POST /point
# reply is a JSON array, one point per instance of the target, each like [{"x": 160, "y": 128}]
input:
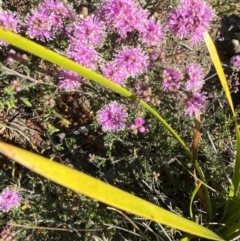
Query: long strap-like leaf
[
  {"x": 101, "y": 191},
  {"x": 236, "y": 176}
]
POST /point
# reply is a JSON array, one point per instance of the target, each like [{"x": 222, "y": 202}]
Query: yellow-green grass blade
[
  {"x": 195, "y": 191},
  {"x": 216, "y": 61},
  {"x": 96, "y": 189},
  {"x": 62, "y": 61},
  {"x": 218, "y": 66}
]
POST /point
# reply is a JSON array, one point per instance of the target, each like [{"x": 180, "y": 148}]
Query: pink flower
[
  {"x": 88, "y": 30},
  {"x": 137, "y": 126},
  {"x": 132, "y": 60},
  {"x": 122, "y": 16},
  {"x": 114, "y": 73},
  {"x": 9, "y": 199},
  {"x": 139, "y": 121},
  {"x": 8, "y": 21},
  {"x": 112, "y": 117},
  {"x": 235, "y": 61},
  {"x": 191, "y": 19},
  {"x": 39, "y": 26},
  {"x": 83, "y": 54},
  {"x": 151, "y": 33},
  {"x": 195, "y": 77},
  {"x": 7, "y": 234},
  {"x": 43, "y": 23},
  {"x": 57, "y": 11},
  {"x": 58, "y": 8},
  {"x": 195, "y": 103},
  {"x": 171, "y": 79},
  {"x": 69, "y": 80}
]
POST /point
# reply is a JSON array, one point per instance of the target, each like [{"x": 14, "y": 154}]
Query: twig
[
  {"x": 164, "y": 231},
  {"x": 113, "y": 226},
  {"x": 13, "y": 72},
  {"x": 214, "y": 147},
  {"x": 186, "y": 46},
  {"x": 154, "y": 10},
  {"x": 53, "y": 228}
]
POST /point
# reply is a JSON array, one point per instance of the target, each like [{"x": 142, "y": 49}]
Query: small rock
[{"x": 233, "y": 47}]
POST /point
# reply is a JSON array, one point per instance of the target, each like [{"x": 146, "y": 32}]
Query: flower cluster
[
  {"x": 16, "y": 85},
  {"x": 126, "y": 16},
  {"x": 171, "y": 79},
  {"x": 131, "y": 60},
  {"x": 195, "y": 100},
  {"x": 83, "y": 54},
  {"x": 112, "y": 117},
  {"x": 88, "y": 30},
  {"x": 194, "y": 77},
  {"x": 235, "y": 61},
  {"x": 128, "y": 62},
  {"x": 122, "y": 16},
  {"x": 143, "y": 91},
  {"x": 137, "y": 126},
  {"x": 9, "y": 199},
  {"x": 122, "y": 20},
  {"x": 190, "y": 19},
  {"x": 48, "y": 19},
  {"x": 68, "y": 80},
  {"x": 113, "y": 73},
  {"x": 194, "y": 103},
  {"x": 7, "y": 234},
  {"x": 152, "y": 33},
  {"x": 8, "y": 21}
]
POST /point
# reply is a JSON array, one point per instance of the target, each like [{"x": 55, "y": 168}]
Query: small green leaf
[
  {"x": 192, "y": 198},
  {"x": 26, "y": 101}
]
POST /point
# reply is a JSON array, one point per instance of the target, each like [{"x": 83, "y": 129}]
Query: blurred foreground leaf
[
  {"x": 91, "y": 187},
  {"x": 229, "y": 212}
]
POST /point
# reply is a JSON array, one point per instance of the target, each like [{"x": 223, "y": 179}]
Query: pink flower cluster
[
  {"x": 126, "y": 17},
  {"x": 194, "y": 103},
  {"x": 137, "y": 126},
  {"x": 47, "y": 19},
  {"x": 112, "y": 117},
  {"x": 195, "y": 100},
  {"x": 128, "y": 62},
  {"x": 83, "y": 54},
  {"x": 171, "y": 82},
  {"x": 69, "y": 81},
  {"x": 235, "y": 61},
  {"x": 194, "y": 77},
  {"x": 8, "y": 21},
  {"x": 122, "y": 20},
  {"x": 190, "y": 19},
  {"x": 9, "y": 199},
  {"x": 114, "y": 73},
  {"x": 171, "y": 79},
  {"x": 89, "y": 30}
]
